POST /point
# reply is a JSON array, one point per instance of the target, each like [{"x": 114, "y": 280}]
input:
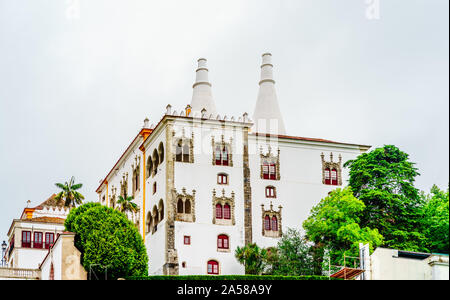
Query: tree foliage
[
  {"x": 253, "y": 258},
  {"x": 108, "y": 241},
  {"x": 334, "y": 226},
  {"x": 436, "y": 220},
  {"x": 383, "y": 180}
]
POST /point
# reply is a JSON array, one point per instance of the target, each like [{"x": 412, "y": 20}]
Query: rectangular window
[
  {"x": 222, "y": 179},
  {"x": 187, "y": 240},
  {"x": 49, "y": 239},
  {"x": 270, "y": 192},
  {"x": 26, "y": 239},
  {"x": 38, "y": 242}
]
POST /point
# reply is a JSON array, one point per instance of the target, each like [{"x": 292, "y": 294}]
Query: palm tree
[
  {"x": 69, "y": 193},
  {"x": 127, "y": 205},
  {"x": 252, "y": 257}
]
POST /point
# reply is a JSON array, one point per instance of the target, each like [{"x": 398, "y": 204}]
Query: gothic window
[
  {"x": 161, "y": 153},
  {"x": 271, "y": 219},
  {"x": 124, "y": 186},
  {"x": 185, "y": 206},
  {"x": 222, "y": 179},
  {"x": 136, "y": 178},
  {"x": 179, "y": 152},
  {"x": 155, "y": 216},
  {"x": 331, "y": 171},
  {"x": 154, "y": 188},
  {"x": 223, "y": 209},
  {"x": 270, "y": 166},
  {"x": 213, "y": 267},
  {"x": 161, "y": 210},
  {"x": 222, "y": 153},
  {"x": 149, "y": 166},
  {"x": 186, "y": 154},
  {"x": 184, "y": 149},
  {"x": 223, "y": 242},
  {"x": 149, "y": 222},
  {"x": 271, "y": 192}
]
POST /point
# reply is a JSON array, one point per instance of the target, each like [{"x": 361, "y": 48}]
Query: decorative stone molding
[
  {"x": 223, "y": 201},
  {"x": 271, "y": 213},
  {"x": 270, "y": 158},
  {"x": 184, "y": 141},
  {"x": 136, "y": 175},
  {"x": 248, "y": 230},
  {"x": 332, "y": 165},
  {"x": 222, "y": 144},
  {"x": 124, "y": 185},
  {"x": 113, "y": 197},
  {"x": 184, "y": 216}
]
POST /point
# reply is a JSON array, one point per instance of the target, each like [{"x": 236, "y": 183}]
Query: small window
[
  {"x": 327, "y": 176},
  {"x": 267, "y": 223},
  {"x": 183, "y": 264},
  {"x": 186, "y": 153},
  {"x": 26, "y": 239},
  {"x": 180, "y": 206},
  {"x": 274, "y": 223},
  {"x": 213, "y": 267},
  {"x": 270, "y": 192},
  {"x": 269, "y": 171},
  {"x": 227, "y": 212},
  {"x": 187, "y": 240},
  {"x": 222, "y": 179},
  {"x": 223, "y": 242},
  {"x": 38, "y": 242},
  {"x": 49, "y": 239},
  {"x": 334, "y": 177},
  {"x": 187, "y": 207},
  {"x": 219, "y": 214},
  {"x": 179, "y": 152},
  {"x": 154, "y": 188}
]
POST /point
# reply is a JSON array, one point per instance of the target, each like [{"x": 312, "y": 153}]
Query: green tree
[
  {"x": 127, "y": 205},
  {"x": 69, "y": 193},
  {"x": 253, "y": 258},
  {"x": 383, "y": 180},
  {"x": 291, "y": 257},
  {"x": 436, "y": 220},
  {"x": 108, "y": 241},
  {"x": 333, "y": 225}
]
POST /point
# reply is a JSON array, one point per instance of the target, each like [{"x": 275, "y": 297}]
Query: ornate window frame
[
  {"x": 332, "y": 165},
  {"x": 124, "y": 186},
  {"x": 223, "y": 201},
  {"x": 183, "y": 196},
  {"x": 270, "y": 158},
  {"x": 185, "y": 141},
  {"x": 272, "y": 213},
  {"x": 136, "y": 179},
  {"x": 222, "y": 144}
]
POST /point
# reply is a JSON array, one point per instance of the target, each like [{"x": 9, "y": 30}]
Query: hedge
[{"x": 229, "y": 277}]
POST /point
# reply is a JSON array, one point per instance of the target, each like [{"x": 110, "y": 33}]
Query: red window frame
[
  {"x": 49, "y": 239},
  {"x": 334, "y": 177},
  {"x": 222, "y": 179},
  {"x": 327, "y": 176},
  {"x": 187, "y": 240},
  {"x": 222, "y": 156},
  {"x": 266, "y": 223},
  {"x": 225, "y": 156},
  {"x": 269, "y": 171},
  {"x": 274, "y": 223},
  {"x": 219, "y": 214},
  {"x": 227, "y": 212},
  {"x": 38, "y": 240},
  {"x": 271, "y": 192},
  {"x": 213, "y": 267},
  {"x": 26, "y": 239},
  {"x": 223, "y": 242}
]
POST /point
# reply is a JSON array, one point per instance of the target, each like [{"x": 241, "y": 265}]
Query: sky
[{"x": 78, "y": 77}]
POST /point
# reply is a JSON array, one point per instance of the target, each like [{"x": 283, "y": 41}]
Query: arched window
[
  {"x": 227, "y": 212},
  {"x": 186, "y": 153},
  {"x": 274, "y": 223},
  {"x": 222, "y": 179},
  {"x": 180, "y": 206},
  {"x": 149, "y": 166},
  {"x": 187, "y": 207},
  {"x": 149, "y": 222},
  {"x": 267, "y": 223},
  {"x": 223, "y": 242},
  {"x": 271, "y": 192},
  {"x": 213, "y": 267},
  {"x": 179, "y": 152},
  {"x": 161, "y": 153},
  {"x": 334, "y": 177},
  {"x": 161, "y": 210},
  {"x": 156, "y": 162},
  {"x": 327, "y": 176},
  {"x": 219, "y": 214}
]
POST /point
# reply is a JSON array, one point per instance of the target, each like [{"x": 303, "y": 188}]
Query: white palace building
[{"x": 207, "y": 183}]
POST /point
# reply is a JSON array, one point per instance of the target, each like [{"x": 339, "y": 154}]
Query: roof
[
  {"x": 347, "y": 273},
  {"x": 299, "y": 138},
  {"x": 50, "y": 202},
  {"x": 47, "y": 220}
]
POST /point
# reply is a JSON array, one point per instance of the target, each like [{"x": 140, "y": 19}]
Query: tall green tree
[
  {"x": 436, "y": 220},
  {"x": 333, "y": 225},
  {"x": 383, "y": 180},
  {"x": 69, "y": 193},
  {"x": 126, "y": 205},
  {"x": 109, "y": 243},
  {"x": 291, "y": 257},
  {"x": 253, "y": 258}
]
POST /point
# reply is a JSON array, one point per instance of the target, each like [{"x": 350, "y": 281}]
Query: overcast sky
[{"x": 77, "y": 78}]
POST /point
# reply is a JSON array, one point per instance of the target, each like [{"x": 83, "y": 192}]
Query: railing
[{"x": 19, "y": 273}]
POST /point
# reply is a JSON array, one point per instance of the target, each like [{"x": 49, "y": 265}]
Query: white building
[
  {"x": 389, "y": 264},
  {"x": 33, "y": 233},
  {"x": 207, "y": 183}
]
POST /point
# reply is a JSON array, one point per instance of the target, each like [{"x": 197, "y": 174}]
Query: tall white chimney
[
  {"x": 202, "y": 94},
  {"x": 267, "y": 117}
]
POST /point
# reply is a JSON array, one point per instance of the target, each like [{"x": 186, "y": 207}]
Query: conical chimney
[
  {"x": 202, "y": 94},
  {"x": 267, "y": 117}
]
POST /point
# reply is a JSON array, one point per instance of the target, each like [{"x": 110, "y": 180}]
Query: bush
[
  {"x": 108, "y": 242},
  {"x": 230, "y": 277}
]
